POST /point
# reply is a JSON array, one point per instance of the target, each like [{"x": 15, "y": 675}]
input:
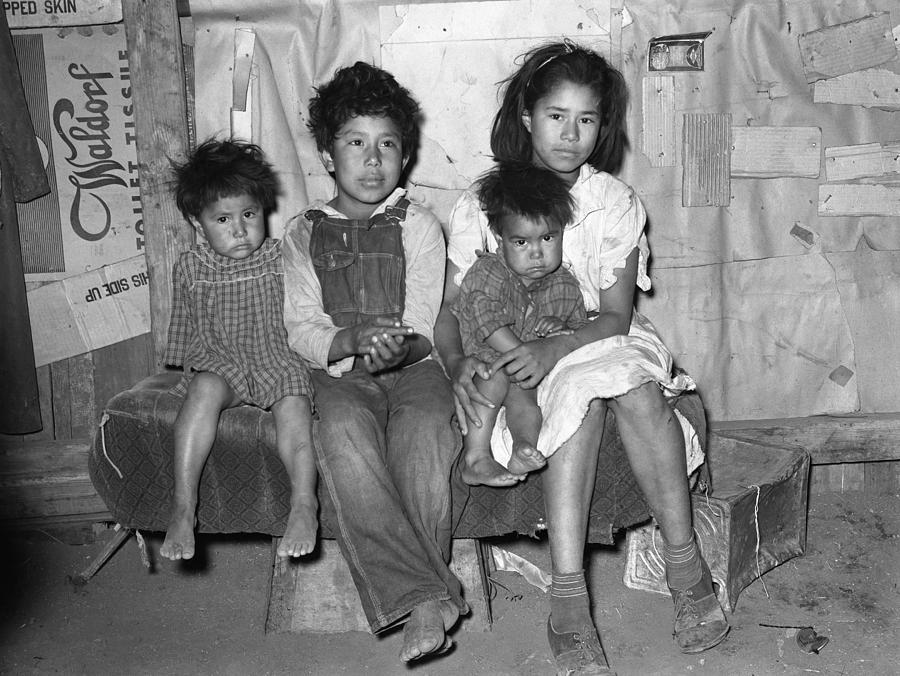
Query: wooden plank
[
  {"x": 859, "y": 199},
  {"x": 153, "y": 36},
  {"x": 706, "y": 157},
  {"x": 847, "y": 47},
  {"x": 828, "y": 439},
  {"x": 882, "y": 477},
  {"x": 119, "y": 366},
  {"x": 62, "y": 414},
  {"x": 770, "y": 152},
  {"x": 844, "y": 163},
  {"x": 317, "y": 594},
  {"x": 46, "y": 481},
  {"x": 873, "y": 88},
  {"x": 658, "y": 110},
  {"x": 83, "y": 414}
]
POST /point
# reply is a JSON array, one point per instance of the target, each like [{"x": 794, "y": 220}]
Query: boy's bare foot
[
  {"x": 425, "y": 632},
  {"x": 179, "y": 542},
  {"x": 479, "y": 469},
  {"x": 300, "y": 533},
  {"x": 525, "y": 458}
]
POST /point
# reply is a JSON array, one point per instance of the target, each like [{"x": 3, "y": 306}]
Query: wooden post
[{"x": 157, "y": 77}]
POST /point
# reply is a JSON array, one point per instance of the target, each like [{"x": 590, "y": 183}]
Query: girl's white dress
[{"x": 608, "y": 225}]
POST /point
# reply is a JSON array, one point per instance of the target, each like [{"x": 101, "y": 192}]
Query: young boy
[
  {"x": 364, "y": 278},
  {"x": 228, "y": 332},
  {"x": 520, "y": 293}
]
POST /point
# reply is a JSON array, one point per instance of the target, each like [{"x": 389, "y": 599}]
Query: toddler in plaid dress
[
  {"x": 521, "y": 293},
  {"x": 227, "y": 331}
]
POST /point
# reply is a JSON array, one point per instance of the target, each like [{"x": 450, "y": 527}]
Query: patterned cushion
[{"x": 244, "y": 487}]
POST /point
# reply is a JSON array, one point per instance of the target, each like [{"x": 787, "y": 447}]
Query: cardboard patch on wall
[
  {"x": 77, "y": 84},
  {"x": 89, "y": 311},
  {"x": 658, "y": 110},
  {"x": 847, "y": 47},
  {"x": 706, "y": 158},
  {"x": 845, "y": 163},
  {"x": 873, "y": 88},
  {"x": 57, "y": 13},
  {"x": 769, "y": 152},
  {"x": 859, "y": 199}
]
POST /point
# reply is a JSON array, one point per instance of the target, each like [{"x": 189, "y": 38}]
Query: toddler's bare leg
[
  {"x": 479, "y": 466},
  {"x": 524, "y": 420},
  {"x": 195, "y": 430},
  {"x": 293, "y": 436}
]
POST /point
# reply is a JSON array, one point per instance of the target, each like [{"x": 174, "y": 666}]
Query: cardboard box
[{"x": 753, "y": 519}]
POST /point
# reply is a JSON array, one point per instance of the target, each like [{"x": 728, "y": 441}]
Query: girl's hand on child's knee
[{"x": 465, "y": 391}]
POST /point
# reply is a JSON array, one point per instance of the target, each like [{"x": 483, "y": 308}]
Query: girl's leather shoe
[
  {"x": 578, "y": 652},
  {"x": 700, "y": 621}
]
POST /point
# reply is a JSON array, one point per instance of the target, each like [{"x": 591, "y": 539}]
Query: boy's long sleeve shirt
[{"x": 311, "y": 330}]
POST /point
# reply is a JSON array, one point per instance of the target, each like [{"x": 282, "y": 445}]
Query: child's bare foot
[
  {"x": 481, "y": 468},
  {"x": 425, "y": 633},
  {"x": 525, "y": 458},
  {"x": 300, "y": 534},
  {"x": 179, "y": 542}
]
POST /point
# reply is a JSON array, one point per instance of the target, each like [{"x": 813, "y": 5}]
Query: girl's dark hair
[
  {"x": 543, "y": 69},
  {"x": 217, "y": 169},
  {"x": 523, "y": 189},
  {"x": 363, "y": 90}
]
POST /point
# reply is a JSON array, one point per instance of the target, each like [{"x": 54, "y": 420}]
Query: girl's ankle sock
[
  {"x": 570, "y": 607},
  {"x": 683, "y": 564}
]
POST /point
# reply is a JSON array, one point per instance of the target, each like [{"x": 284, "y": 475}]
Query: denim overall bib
[
  {"x": 385, "y": 442},
  {"x": 360, "y": 264}
]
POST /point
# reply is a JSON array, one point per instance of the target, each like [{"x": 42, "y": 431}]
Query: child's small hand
[{"x": 548, "y": 325}]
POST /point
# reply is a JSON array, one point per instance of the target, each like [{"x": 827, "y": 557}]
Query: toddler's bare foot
[
  {"x": 425, "y": 633},
  {"x": 179, "y": 542},
  {"x": 300, "y": 534},
  {"x": 525, "y": 458},
  {"x": 483, "y": 469}
]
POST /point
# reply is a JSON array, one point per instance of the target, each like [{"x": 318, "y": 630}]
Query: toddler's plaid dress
[{"x": 227, "y": 318}]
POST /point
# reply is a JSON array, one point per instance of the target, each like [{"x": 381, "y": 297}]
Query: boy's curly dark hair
[
  {"x": 514, "y": 188},
  {"x": 217, "y": 169},
  {"x": 363, "y": 89}
]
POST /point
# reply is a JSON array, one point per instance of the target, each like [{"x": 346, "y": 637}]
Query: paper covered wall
[{"x": 777, "y": 305}]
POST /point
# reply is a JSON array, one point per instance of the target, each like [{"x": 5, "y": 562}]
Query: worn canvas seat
[{"x": 244, "y": 487}]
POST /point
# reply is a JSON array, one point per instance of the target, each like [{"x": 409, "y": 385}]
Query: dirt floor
[{"x": 208, "y": 618}]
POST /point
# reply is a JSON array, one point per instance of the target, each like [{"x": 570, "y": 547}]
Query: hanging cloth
[{"x": 22, "y": 178}]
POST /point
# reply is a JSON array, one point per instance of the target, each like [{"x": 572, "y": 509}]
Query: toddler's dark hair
[
  {"x": 546, "y": 67},
  {"x": 524, "y": 190},
  {"x": 217, "y": 169},
  {"x": 363, "y": 90}
]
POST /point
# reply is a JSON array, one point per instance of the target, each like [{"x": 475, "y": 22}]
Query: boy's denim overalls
[{"x": 385, "y": 443}]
